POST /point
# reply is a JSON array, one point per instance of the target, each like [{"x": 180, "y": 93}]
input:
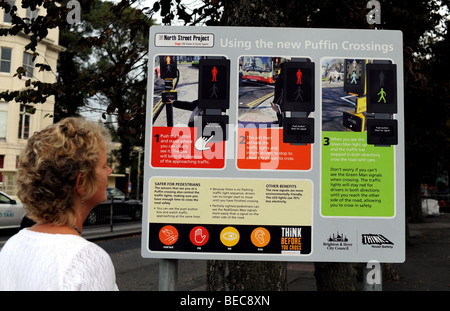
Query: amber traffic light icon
[
  {"x": 298, "y": 89},
  {"x": 214, "y": 83},
  {"x": 381, "y": 88},
  {"x": 168, "y": 67}
]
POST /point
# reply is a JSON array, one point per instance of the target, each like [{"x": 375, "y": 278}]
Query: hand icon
[
  {"x": 200, "y": 144},
  {"x": 199, "y": 237}
]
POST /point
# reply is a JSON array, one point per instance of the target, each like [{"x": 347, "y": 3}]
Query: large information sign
[{"x": 274, "y": 144}]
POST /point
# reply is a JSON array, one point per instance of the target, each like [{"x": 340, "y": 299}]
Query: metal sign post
[{"x": 168, "y": 274}]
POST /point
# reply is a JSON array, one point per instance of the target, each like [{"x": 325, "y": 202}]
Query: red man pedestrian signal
[
  {"x": 214, "y": 83},
  {"x": 299, "y": 76},
  {"x": 381, "y": 88},
  {"x": 168, "y": 67},
  {"x": 214, "y": 74},
  {"x": 298, "y": 89}
]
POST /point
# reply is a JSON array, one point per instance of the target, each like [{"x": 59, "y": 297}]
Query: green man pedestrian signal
[
  {"x": 214, "y": 84},
  {"x": 381, "y": 88},
  {"x": 354, "y": 76},
  {"x": 168, "y": 67},
  {"x": 298, "y": 89}
]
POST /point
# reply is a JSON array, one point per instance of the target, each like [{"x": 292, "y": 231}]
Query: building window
[
  {"x": 3, "y": 120},
  {"x": 5, "y": 59},
  {"x": 28, "y": 64},
  {"x": 24, "y": 121},
  {"x": 7, "y": 17},
  {"x": 32, "y": 14},
  {"x": 2, "y": 161}
]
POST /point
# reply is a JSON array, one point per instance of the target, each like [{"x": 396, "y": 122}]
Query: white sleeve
[{"x": 91, "y": 269}]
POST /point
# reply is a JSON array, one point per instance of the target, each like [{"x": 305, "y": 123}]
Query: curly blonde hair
[{"x": 50, "y": 164}]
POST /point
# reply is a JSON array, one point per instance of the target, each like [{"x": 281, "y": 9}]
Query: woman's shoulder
[
  {"x": 91, "y": 268},
  {"x": 63, "y": 246},
  {"x": 58, "y": 243}
]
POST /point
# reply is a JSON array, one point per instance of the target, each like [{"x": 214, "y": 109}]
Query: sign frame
[{"x": 337, "y": 234}]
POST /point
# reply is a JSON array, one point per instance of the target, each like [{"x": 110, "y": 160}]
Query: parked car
[
  {"x": 123, "y": 207},
  {"x": 444, "y": 204},
  {"x": 12, "y": 213}
]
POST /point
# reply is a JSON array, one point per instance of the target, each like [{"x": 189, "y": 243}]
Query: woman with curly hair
[{"x": 63, "y": 174}]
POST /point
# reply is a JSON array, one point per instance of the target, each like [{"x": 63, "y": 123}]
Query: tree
[
  {"x": 118, "y": 76},
  {"x": 104, "y": 60}
]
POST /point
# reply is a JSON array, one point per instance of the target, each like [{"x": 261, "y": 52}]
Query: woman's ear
[{"x": 80, "y": 185}]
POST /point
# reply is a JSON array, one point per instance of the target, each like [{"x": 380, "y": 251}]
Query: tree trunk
[
  {"x": 413, "y": 196},
  {"x": 335, "y": 276},
  {"x": 246, "y": 276}
]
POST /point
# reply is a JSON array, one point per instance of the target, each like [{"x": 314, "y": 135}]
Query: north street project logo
[
  {"x": 338, "y": 242},
  {"x": 200, "y": 40},
  {"x": 376, "y": 241}
]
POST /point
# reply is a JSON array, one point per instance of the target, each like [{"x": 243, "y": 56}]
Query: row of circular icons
[{"x": 199, "y": 236}]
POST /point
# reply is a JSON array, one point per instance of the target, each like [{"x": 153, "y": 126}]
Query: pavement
[
  {"x": 427, "y": 265},
  {"x": 426, "y": 268}
]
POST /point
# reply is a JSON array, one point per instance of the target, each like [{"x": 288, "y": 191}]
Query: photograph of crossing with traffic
[
  {"x": 186, "y": 86},
  {"x": 257, "y": 80},
  {"x": 339, "y": 107},
  {"x": 257, "y": 77}
]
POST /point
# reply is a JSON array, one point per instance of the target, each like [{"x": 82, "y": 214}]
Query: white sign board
[{"x": 303, "y": 163}]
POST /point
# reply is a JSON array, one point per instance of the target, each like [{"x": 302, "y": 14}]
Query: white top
[{"x": 58, "y": 262}]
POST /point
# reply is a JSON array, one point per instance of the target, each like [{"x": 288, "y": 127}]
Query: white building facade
[{"x": 17, "y": 124}]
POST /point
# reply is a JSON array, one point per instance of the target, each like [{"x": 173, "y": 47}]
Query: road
[
  {"x": 255, "y": 103},
  {"x": 187, "y": 90},
  {"x": 333, "y": 105}
]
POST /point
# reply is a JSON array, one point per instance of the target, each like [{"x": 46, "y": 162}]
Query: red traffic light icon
[
  {"x": 299, "y": 75},
  {"x": 214, "y": 74},
  {"x": 214, "y": 83},
  {"x": 298, "y": 86}
]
